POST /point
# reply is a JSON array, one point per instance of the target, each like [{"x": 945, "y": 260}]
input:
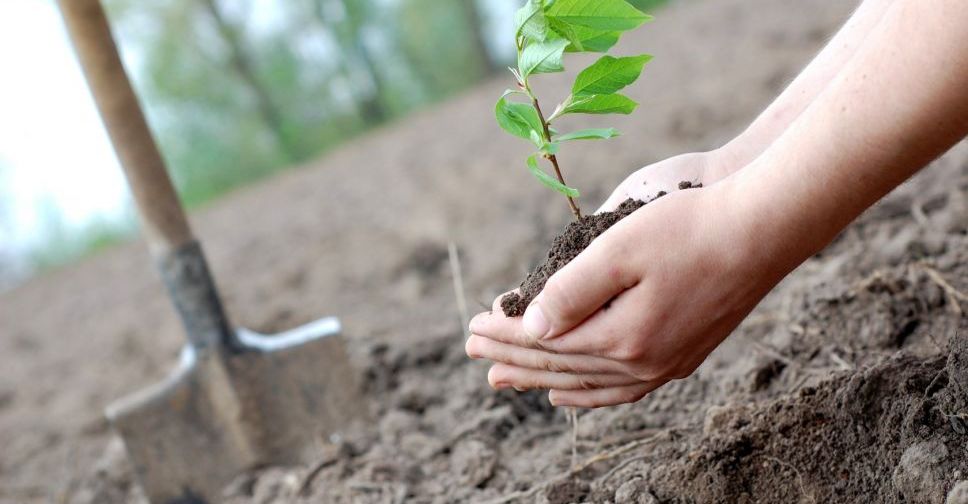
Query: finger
[
  {"x": 505, "y": 376},
  {"x": 479, "y": 347},
  {"x": 610, "y": 332},
  {"x": 496, "y": 326},
  {"x": 598, "y": 274},
  {"x": 607, "y": 333},
  {"x": 495, "y": 311},
  {"x": 602, "y": 397}
]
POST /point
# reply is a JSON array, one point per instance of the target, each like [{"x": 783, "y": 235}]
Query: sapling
[{"x": 545, "y": 31}]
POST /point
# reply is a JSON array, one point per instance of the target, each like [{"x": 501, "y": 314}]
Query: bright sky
[{"x": 56, "y": 155}]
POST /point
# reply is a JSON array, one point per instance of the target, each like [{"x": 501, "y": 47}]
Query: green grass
[{"x": 64, "y": 245}]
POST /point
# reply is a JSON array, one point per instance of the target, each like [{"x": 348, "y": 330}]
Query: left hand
[
  {"x": 664, "y": 176},
  {"x": 644, "y": 304}
]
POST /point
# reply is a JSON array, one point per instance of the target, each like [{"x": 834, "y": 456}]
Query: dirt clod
[
  {"x": 958, "y": 494},
  {"x": 919, "y": 476},
  {"x": 576, "y": 237},
  {"x": 875, "y": 353}
]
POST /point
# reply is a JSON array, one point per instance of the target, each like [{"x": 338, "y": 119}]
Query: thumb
[{"x": 579, "y": 289}]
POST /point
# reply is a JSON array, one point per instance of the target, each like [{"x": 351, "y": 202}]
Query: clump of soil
[{"x": 566, "y": 246}]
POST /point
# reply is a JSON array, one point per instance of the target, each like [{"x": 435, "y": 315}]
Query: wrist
[
  {"x": 729, "y": 158},
  {"x": 774, "y": 228}
]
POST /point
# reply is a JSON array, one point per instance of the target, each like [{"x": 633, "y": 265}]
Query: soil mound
[{"x": 847, "y": 384}]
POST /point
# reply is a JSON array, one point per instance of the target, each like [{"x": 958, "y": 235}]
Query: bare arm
[
  {"x": 899, "y": 103},
  {"x": 676, "y": 292},
  {"x": 775, "y": 119},
  {"x": 710, "y": 167}
]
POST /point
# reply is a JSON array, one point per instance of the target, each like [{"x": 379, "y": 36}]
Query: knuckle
[
  {"x": 616, "y": 250},
  {"x": 552, "y": 366},
  {"x": 558, "y": 301},
  {"x": 646, "y": 374},
  {"x": 630, "y": 352},
  {"x": 536, "y": 344},
  {"x": 632, "y": 396},
  {"x": 616, "y": 273}
]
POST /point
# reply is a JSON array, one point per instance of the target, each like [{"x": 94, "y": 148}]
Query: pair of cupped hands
[{"x": 646, "y": 302}]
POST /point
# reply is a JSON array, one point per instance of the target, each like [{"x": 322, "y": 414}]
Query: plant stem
[{"x": 554, "y": 159}]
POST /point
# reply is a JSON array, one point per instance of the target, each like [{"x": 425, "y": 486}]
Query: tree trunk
[
  {"x": 241, "y": 62},
  {"x": 475, "y": 24},
  {"x": 371, "y": 106}
]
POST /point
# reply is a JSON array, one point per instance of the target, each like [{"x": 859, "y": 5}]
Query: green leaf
[
  {"x": 593, "y": 40},
  {"x": 550, "y": 148},
  {"x": 582, "y": 39},
  {"x": 537, "y": 139},
  {"x": 542, "y": 57},
  {"x": 518, "y": 119},
  {"x": 604, "y": 15},
  {"x": 589, "y": 134},
  {"x": 608, "y": 75},
  {"x": 530, "y": 22},
  {"x": 550, "y": 181},
  {"x": 599, "y": 104},
  {"x": 569, "y": 32}
]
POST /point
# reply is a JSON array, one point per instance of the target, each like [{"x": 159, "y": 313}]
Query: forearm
[
  {"x": 775, "y": 119},
  {"x": 901, "y": 101}
]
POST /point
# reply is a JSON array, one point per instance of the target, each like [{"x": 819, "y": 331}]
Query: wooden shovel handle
[{"x": 165, "y": 225}]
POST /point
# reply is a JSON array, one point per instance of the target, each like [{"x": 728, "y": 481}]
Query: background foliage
[{"x": 238, "y": 89}]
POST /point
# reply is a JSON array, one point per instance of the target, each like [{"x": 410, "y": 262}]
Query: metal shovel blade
[{"x": 220, "y": 414}]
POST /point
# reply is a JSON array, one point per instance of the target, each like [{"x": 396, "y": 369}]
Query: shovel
[{"x": 237, "y": 399}]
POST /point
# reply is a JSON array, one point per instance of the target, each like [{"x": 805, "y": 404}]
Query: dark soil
[
  {"x": 566, "y": 246},
  {"x": 848, "y": 383}
]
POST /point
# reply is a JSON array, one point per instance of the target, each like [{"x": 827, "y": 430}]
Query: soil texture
[
  {"x": 566, "y": 246},
  {"x": 848, "y": 383}
]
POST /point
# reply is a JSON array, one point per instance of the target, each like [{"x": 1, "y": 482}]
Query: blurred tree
[
  {"x": 346, "y": 20},
  {"x": 241, "y": 61},
  {"x": 238, "y": 89},
  {"x": 474, "y": 20},
  {"x": 435, "y": 38}
]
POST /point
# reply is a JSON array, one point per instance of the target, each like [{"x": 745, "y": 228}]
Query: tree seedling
[{"x": 545, "y": 31}]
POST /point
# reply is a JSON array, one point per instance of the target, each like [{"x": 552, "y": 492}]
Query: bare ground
[{"x": 841, "y": 387}]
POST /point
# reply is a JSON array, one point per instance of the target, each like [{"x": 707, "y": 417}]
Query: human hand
[
  {"x": 646, "y": 183},
  {"x": 644, "y": 304}
]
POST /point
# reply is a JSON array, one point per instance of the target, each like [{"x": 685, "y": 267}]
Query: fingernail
[
  {"x": 534, "y": 322},
  {"x": 553, "y": 399}
]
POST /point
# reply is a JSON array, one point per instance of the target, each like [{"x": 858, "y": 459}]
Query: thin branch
[
  {"x": 799, "y": 476},
  {"x": 573, "y": 417},
  {"x": 575, "y": 210},
  {"x": 953, "y": 294}
]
